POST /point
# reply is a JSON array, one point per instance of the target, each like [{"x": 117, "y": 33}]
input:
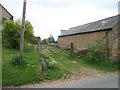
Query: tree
[
  {"x": 29, "y": 34},
  {"x": 44, "y": 41},
  {"x": 11, "y": 33},
  {"x": 51, "y": 39}
]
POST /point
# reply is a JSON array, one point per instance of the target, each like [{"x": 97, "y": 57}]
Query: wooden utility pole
[{"x": 22, "y": 32}]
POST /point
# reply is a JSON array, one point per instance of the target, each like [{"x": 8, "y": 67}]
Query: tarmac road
[
  {"x": 109, "y": 81},
  {"x": 106, "y": 81}
]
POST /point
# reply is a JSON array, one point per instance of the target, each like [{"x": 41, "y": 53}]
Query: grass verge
[{"x": 27, "y": 72}]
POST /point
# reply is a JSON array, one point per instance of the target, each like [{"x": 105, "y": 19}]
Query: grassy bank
[
  {"x": 19, "y": 74},
  {"x": 28, "y": 71}
]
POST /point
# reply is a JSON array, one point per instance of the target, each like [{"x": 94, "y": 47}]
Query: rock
[
  {"x": 74, "y": 62},
  {"x": 99, "y": 75}
]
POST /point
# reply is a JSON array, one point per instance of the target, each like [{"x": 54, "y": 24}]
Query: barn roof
[{"x": 103, "y": 24}]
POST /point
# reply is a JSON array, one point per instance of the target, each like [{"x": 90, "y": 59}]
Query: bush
[
  {"x": 51, "y": 63},
  {"x": 96, "y": 53},
  {"x": 11, "y": 33},
  {"x": 28, "y": 47},
  {"x": 44, "y": 54},
  {"x": 16, "y": 60}
]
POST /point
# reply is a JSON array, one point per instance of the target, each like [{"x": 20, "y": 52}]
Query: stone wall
[
  {"x": 0, "y": 17},
  {"x": 0, "y": 26},
  {"x": 4, "y": 14},
  {"x": 81, "y": 41},
  {"x": 113, "y": 42}
]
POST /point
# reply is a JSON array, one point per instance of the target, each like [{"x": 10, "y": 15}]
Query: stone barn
[
  {"x": 4, "y": 15},
  {"x": 84, "y": 35}
]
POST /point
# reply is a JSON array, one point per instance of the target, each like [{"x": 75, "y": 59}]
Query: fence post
[
  {"x": 42, "y": 59},
  {"x": 107, "y": 47},
  {"x": 71, "y": 48},
  {"x": 119, "y": 35},
  {"x": 39, "y": 46}
]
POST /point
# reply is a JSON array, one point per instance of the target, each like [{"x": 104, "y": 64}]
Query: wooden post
[
  {"x": 39, "y": 46},
  {"x": 43, "y": 62},
  {"x": 119, "y": 35},
  {"x": 22, "y": 32},
  {"x": 107, "y": 47},
  {"x": 43, "y": 68},
  {"x": 71, "y": 48}
]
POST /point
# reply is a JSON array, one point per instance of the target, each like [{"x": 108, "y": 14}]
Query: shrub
[
  {"x": 28, "y": 46},
  {"x": 11, "y": 33},
  {"x": 51, "y": 63},
  {"x": 96, "y": 53},
  {"x": 15, "y": 59},
  {"x": 44, "y": 54}
]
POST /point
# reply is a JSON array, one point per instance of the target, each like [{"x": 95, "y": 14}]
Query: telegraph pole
[{"x": 23, "y": 28}]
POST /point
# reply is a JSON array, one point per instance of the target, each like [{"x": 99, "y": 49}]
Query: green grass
[
  {"x": 104, "y": 66},
  {"x": 17, "y": 75},
  {"x": 65, "y": 61},
  {"x": 28, "y": 71},
  {"x": 55, "y": 73}
]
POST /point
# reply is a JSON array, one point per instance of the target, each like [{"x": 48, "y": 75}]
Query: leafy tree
[
  {"x": 51, "y": 39},
  {"x": 29, "y": 36},
  {"x": 44, "y": 41},
  {"x": 11, "y": 33}
]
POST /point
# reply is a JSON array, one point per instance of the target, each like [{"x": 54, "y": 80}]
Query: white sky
[{"x": 52, "y": 16}]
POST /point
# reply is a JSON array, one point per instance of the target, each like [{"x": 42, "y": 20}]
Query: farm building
[
  {"x": 4, "y": 15},
  {"x": 84, "y": 35}
]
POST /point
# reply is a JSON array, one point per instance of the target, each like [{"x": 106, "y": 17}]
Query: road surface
[{"x": 106, "y": 81}]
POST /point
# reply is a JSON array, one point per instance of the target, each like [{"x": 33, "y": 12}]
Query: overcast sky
[{"x": 52, "y": 16}]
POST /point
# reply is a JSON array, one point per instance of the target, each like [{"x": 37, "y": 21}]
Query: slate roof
[{"x": 103, "y": 24}]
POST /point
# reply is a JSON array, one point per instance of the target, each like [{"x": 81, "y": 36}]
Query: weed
[
  {"x": 97, "y": 57},
  {"x": 15, "y": 59},
  {"x": 28, "y": 47},
  {"x": 96, "y": 53},
  {"x": 51, "y": 63}
]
